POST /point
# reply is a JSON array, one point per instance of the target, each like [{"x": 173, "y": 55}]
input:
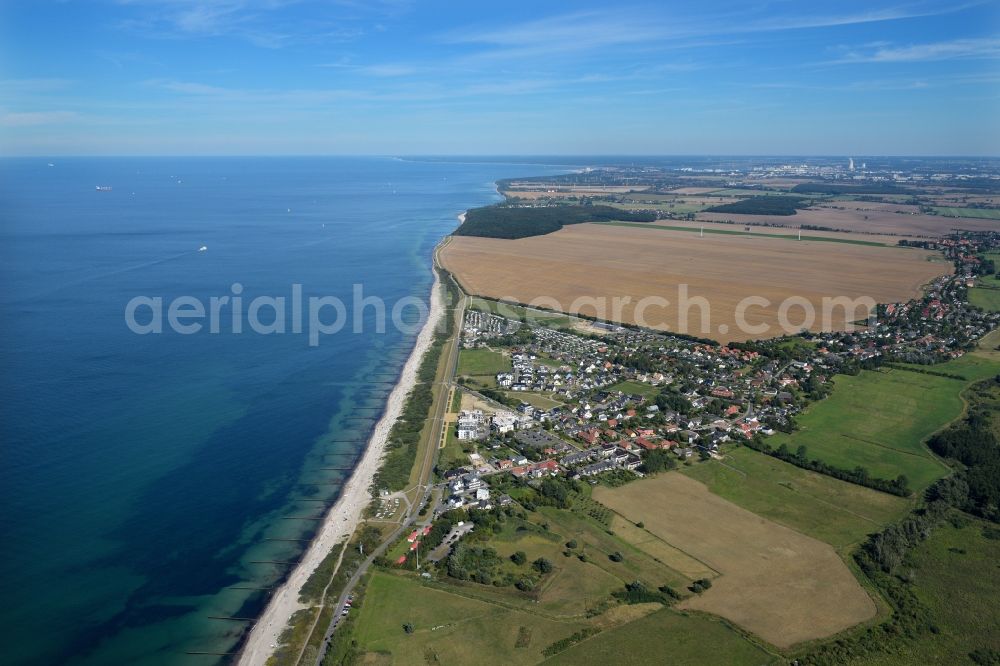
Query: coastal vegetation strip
[{"x": 408, "y": 431}]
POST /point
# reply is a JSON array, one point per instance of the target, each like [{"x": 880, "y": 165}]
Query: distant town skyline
[{"x": 258, "y": 77}]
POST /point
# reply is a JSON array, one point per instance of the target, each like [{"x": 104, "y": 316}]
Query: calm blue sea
[{"x": 145, "y": 479}]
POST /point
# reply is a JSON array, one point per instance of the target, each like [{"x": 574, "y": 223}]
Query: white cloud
[
  {"x": 260, "y": 22},
  {"x": 595, "y": 30},
  {"x": 871, "y": 16},
  {"x": 988, "y": 47}
]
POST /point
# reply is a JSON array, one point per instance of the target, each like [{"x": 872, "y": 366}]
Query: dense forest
[
  {"x": 762, "y": 205},
  {"x": 510, "y": 222},
  {"x": 837, "y": 188}
]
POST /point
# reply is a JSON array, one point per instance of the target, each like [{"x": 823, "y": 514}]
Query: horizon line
[{"x": 480, "y": 155}]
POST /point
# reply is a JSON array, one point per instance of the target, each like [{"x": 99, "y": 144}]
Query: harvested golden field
[
  {"x": 635, "y": 274},
  {"x": 779, "y": 584},
  {"x": 877, "y": 218}
]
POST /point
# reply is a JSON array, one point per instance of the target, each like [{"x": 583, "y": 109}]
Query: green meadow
[
  {"x": 482, "y": 363},
  {"x": 979, "y": 213},
  {"x": 986, "y": 296},
  {"x": 880, "y": 419},
  {"x": 520, "y": 312},
  {"x": 837, "y": 512},
  {"x": 636, "y": 388},
  {"x": 954, "y": 577},
  {"x": 449, "y": 627},
  {"x": 666, "y": 637}
]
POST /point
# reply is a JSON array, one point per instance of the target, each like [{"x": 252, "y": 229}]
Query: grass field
[
  {"x": 955, "y": 578},
  {"x": 573, "y": 587},
  {"x": 638, "y": 388},
  {"x": 518, "y": 312},
  {"x": 879, "y": 420},
  {"x": 978, "y": 213},
  {"x": 591, "y": 268},
  {"x": 822, "y": 507},
  {"x": 482, "y": 363},
  {"x": 597, "y": 544},
  {"x": 451, "y": 454},
  {"x": 535, "y": 399},
  {"x": 987, "y": 298},
  {"x": 666, "y": 637},
  {"x": 775, "y": 582},
  {"x": 448, "y": 628}
]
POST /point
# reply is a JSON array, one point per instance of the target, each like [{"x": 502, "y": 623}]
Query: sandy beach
[{"x": 345, "y": 515}]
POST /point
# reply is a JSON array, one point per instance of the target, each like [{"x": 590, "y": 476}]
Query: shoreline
[{"x": 345, "y": 515}]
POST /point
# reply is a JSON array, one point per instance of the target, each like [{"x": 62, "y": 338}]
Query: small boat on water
[
  {"x": 202, "y": 248},
  {"x": 103, "y": 188}
]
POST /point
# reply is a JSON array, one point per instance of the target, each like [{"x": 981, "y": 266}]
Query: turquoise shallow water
[{"x": 141, "y": 476}]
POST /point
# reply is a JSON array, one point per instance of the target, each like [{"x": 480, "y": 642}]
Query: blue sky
[{"x": 394, "y": 77}]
